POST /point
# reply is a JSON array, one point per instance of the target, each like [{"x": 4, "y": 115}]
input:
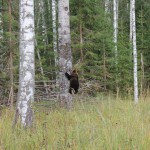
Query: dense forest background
[{"x": 92, "y": 46}]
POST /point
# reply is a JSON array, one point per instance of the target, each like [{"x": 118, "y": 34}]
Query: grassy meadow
[{"x": 101, "y": 123}]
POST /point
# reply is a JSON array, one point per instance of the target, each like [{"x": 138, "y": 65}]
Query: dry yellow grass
[{"x": 103, "y": 123}]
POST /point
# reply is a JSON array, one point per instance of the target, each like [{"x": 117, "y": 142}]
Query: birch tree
[
  {"x": 26, "y": 70},
  {"x": 115, "y": 23},
  {"x": 55, "y": 37},
  {"x": 133, "y": 35},
  {"x": 65, "y": 54},
  {"x": 131, "y": 21}
]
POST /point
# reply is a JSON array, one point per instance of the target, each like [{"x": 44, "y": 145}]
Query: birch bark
[
  {"x": 131, "y": 21},
  {"x": 27, "y": 69},
  {"x": 65, "y": 54},
  {"x": 55, "y": 46},
  {"x": 115, "y": 23},
  {"x": 134, "y": 53}
]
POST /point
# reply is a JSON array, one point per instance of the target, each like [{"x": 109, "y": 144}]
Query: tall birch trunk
[
  {"x": 134, "y": 53},
  {"x": 65, "y": 54},
  {"x": 27, "y": 67},
  {"x": 44, "y": 27},
  {"x": 55, "y": 38},
  {"x": 115, "y": 9},
  {"x": 131, "y": 21},
  {"x": 115, "y": 23}
]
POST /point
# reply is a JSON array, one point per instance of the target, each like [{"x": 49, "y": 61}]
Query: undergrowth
[{"x": 95, "y": 124}]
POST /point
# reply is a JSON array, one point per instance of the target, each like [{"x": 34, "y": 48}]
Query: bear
[{"x": 74, "y": 82}]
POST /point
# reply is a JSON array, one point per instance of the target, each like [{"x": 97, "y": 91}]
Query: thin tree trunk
[
  {"x": 44, "y": 27},
  {"x": 27, "y": 67},
  {"x": 115, "y": 6},
  {"x": 11, "y": 56},
  {"x": 65, "y": 54},
  {"x": 115, "y": 23},
  {"x": 55, "y": 39},
  {"x": 134, "y": 53},
  {"x": 131, "y": 21}
]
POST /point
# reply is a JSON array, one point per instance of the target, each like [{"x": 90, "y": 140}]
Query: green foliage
[
  {"x": 143, "y": 36},
  {"x": 97, "y": 34},
  {"x": 92, "y": 33}
]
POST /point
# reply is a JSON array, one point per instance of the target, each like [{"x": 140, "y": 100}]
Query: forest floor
[{"x": 101, "y": 123}]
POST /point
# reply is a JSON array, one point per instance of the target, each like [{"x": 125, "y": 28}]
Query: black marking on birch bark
[{"x": 66, "y": 8}]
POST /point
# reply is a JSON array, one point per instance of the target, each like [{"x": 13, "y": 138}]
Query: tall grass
[{"x": 96, "y": 124}]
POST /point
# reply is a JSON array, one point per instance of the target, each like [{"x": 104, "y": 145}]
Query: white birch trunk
[
  {"x": 27, "y": 68},
  {"x": 44, "y": 27},
  {"x": 55, "y": 38},
  {"x": 65, "y": 54},
  {"x": 134, "y": 53},
  {"x": 131, "y": 21},
  {"x": 115, "y": 23}
]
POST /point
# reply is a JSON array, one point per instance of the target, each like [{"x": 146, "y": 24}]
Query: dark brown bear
[{"x": 74, "y": 82}]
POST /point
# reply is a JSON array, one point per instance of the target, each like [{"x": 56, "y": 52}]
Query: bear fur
[{"x": 74, "y": 82}]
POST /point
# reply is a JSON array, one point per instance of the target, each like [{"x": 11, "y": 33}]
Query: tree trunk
[
  {"x": 134, "y": 53},
  {"x": 27, "y": 67},
  {"x": 115, "y": 6},
  {"x": 44, "y": 26},
  {"x": 11, "y": 94},
  {"x": 55, "y": 39},
  {"x": 115, "y": 23},
  {"x": 65, "y": 54},
  {"x": 131, "y": 21}
]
